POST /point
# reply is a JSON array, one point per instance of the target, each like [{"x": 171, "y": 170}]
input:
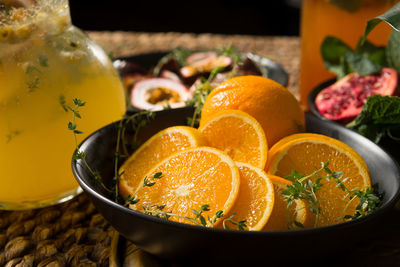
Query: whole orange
[{"x": 270, "y": 103}]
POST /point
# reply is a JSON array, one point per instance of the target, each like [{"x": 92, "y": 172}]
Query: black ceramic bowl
[
  {"x": 313, "y": 94},
  {"x": 181, "y": 242}
]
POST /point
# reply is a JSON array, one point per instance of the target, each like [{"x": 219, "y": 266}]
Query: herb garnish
[
  {"x": 340, "y": 59},
  {"x": 33, "y": 73},
  {"x": 147, "y": 182},
  {"x": 303, "y": 188},
  {"x": 241, "y": 225},
  {"x": 79, "y": 154},
  {"x": 137, "y": 121},
  {"x": 11, "y": 135},
  {"x": 201, "y": 92},
  {"x": 197, "y": 219},
  {"x": 379, "y": 117}
]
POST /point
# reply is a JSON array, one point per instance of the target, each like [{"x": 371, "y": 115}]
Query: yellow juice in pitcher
[{"x": 40, "y": 75}]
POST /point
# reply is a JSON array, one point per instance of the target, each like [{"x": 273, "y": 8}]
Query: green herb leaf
[
  {"x": 362, "y": 64},
  {"x": 393, "y": 51},
  {"x": 63, "y": 102},
  {"x": 43, "y": 61},
  {"x": 340, "y": 59},
  {"x": 333, "y": 52},
  {"x": 31, "y": 68},
  {"x": 391, "y": 17},
  {"x": 304, "y": 188},
  {"x": 71, "y": 126},
  {"x": 376, "y": 54},
  {"x": 379, "y": 117}
]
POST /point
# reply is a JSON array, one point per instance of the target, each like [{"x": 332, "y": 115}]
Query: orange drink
[{"x": 321, "y": 18}]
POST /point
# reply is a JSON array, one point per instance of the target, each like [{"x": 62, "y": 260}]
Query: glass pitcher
[{"x": 45, "y": 63}]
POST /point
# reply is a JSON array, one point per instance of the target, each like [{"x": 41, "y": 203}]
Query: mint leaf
[
  {"x": 333, "y": 52},
  {"x": 376, "y": 54},
  {"x": 340, "y": 59},
  {"x": 391, "y": 17},
  {"x": 361, "y": 63},
  {"x": 379, "y": 117}
]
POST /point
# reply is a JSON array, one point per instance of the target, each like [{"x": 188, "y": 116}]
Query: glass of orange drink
[
  {"x": 46, "y": 62},
  {"x": 343, "y": 19}
]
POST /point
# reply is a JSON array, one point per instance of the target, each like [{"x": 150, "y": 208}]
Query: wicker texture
[{"x": 69, "y": 234}]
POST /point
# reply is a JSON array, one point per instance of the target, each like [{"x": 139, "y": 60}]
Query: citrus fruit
[
  {"x": 305, "y": 156},
  {"x": 190, "y": 179},
  {"x": 280, "y": 145},
  {"x": 239, "y": 135},
  {"x": 255, "y": 199},
  {"x": 159, "y": 146},
  {"x": 270, "y": 103},
  {"x": 281, "y": 218}
]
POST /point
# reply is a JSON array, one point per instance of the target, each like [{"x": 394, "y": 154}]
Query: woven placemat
[{"x": 69, "y": 234}]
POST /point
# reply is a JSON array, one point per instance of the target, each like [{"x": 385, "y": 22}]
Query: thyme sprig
[
  {"x": 369, "y": 201},
  {"x": 241, "y": 225},
  {"x": 303, "y": 188},
  {"x": 137, "y": 121},
  {"x": 198, "y": 217},
  {"x": 235, "y": 55},
  {"x": 201, "y": 92},
  {"x": 147, "y": 182},
  {"x": 72, "y": 126}
]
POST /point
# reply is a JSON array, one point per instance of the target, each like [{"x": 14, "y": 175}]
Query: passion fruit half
[{"x": 157, "y": 93}]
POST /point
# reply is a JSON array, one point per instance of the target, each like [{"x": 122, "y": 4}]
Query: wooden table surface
[{"x": 75, "y": 234}]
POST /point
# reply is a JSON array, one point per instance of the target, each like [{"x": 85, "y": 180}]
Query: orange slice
[
  {"x": 277, "y": 147},
  {"x": 239, "y": 135},
  {"x": 255, "y": 200},
  {"x": 191, "y": 179},
  {"x": 305, "y": 156},
  {"x": 281, "y": 218},
  {"x": 159, "y": 146}
]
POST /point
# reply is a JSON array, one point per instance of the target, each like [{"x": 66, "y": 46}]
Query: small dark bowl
[
  {"x": 187, "y": 243},
  {"x": 313, "y": 94}
]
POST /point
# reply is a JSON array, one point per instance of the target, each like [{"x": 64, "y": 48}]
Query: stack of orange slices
[{"x": 224, "y": 172}]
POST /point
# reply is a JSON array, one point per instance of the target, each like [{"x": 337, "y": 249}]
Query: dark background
[{"x": 273, "y": 17}]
